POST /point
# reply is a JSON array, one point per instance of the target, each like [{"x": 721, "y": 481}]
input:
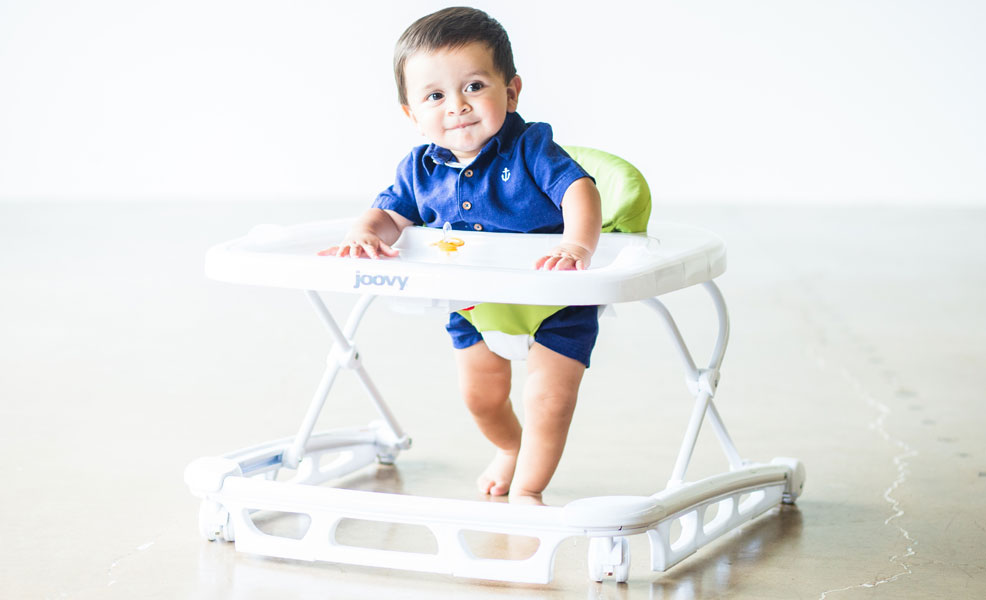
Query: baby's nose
[{"x": 458, "y": 107}]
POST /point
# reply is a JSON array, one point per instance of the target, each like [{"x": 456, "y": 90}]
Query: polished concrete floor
[{"x": 858, "y": 346}]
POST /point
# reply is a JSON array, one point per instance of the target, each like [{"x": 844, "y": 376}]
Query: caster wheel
[
  {"x": 795, "y": 480},
  {"x": 386, "y": 459},
  {"x": 227, "y": 530},
  {"x": 598, "y": 552},
  {"x": 609, "y": 556},
  {"x": 621, "y": 572},
  {"x": 214, "y": 522}
]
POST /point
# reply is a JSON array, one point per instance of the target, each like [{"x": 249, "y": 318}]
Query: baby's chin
[
  {"x": 464, "y": 140},
  {"x": 464, "y": 154}
]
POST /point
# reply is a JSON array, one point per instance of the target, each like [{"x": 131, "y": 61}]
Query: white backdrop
[{"x": 722, "y": 101}]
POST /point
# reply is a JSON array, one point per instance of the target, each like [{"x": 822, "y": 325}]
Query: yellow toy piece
[{"x": 449, "y": 245}]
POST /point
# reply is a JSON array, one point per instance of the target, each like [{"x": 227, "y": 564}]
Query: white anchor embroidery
[{"x": 505, "y": 175}]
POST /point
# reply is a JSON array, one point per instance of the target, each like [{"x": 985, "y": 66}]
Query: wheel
[
  {"x": 795, "y": 480},
  {"x": 214, "y": 522},
  {"x": 387, "y": 458},
  {"x": 609, "y": 556},
  {"x": 227, "y": 528},
  {"x": 598, "y": 554},
  {"x": 209, "y": 520},
  {"x": 621, "y": 572}
]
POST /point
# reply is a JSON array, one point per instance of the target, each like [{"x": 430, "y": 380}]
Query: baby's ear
[{"x": 513, "y": 93}]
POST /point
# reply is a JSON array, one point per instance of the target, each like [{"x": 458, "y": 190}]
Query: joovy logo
[{"x": 388, "y": 280}]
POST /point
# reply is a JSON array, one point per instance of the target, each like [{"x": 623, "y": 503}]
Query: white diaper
[{"x": 510, "y": 347}]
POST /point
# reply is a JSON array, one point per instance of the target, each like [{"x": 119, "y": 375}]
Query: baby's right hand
[
  {"x": 565, "y": 257},
  {"x": 361, "y": 244}
]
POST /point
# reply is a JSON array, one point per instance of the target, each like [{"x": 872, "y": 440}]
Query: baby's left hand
[{"x": 565, "y": 257}]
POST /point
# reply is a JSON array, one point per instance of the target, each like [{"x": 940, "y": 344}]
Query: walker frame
[{"x": 238, "y": 484}]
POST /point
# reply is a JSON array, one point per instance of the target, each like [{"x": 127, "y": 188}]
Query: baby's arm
[
  {"x": 582, "y": 213},
  {"x": 372, "y": 235}
]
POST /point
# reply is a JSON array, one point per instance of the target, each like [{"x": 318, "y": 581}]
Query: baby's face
[{"x": 457, "y": 97}]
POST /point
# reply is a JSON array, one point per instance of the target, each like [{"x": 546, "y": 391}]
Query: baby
[{"x": 488, "y": 170}]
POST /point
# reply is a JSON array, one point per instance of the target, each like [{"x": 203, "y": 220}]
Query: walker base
[{"x": 739, "y": 497}]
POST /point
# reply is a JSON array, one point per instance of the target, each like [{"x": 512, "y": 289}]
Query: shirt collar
[{"x": 503, "y": 141}]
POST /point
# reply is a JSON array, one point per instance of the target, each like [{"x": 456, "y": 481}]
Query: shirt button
[
  {"x": 468, "y": 173},
  {"x": 477, "y": 227},
  {"x": 467, "y": 205}
]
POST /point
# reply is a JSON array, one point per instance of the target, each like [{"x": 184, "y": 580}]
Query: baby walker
[{"x": 474, "y": 268}]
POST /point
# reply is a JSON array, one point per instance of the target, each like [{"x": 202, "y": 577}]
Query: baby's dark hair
[{"x": 453, "y": 28}]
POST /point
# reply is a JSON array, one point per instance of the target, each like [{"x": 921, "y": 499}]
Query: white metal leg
[
  {"x": 688, "y": 443},
  {"x": 726, "y": 442},
  {"x": 702, "y": 383},
  {"x": 691, "y": 371},
  {"x": 342, "y": 355}
]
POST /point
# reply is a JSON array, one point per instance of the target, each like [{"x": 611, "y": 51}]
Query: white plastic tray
[{"x": 489, "y": 267}]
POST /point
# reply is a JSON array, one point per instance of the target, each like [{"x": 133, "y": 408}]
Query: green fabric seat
[
  {"x": 626, "y": 204},
  {"x": 623, "y": 190}
]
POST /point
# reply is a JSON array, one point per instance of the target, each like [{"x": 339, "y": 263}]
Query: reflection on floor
[{"x": 857, "y": 345}]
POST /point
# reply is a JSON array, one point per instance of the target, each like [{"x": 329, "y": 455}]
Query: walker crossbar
[
  {"x": 282, "y": 477},
  {"x": 342, "y": 355}
]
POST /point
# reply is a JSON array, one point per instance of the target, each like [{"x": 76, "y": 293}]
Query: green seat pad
[
  {"x": 512, "y": 319},
  {"x": 626, "y": 203},
  {"x": 623, "y": 190}
]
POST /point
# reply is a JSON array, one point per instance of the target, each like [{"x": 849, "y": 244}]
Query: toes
[
  {"x": 492, "y": 487},
  {"x": 495, "y": 480},
  {"x": 499, "y": 489}
]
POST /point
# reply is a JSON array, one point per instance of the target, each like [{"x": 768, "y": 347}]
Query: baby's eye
[
  {"x": 474, "y": 86},
  {"x": 434, "y": 96}
]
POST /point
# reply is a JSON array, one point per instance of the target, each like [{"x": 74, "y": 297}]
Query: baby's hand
[
  {"x": 565, "y": 257},
  {"x": 360, "y": 244}
]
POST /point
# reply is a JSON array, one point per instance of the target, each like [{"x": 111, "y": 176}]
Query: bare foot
[
  {"x": 495, "y": 480},
  {"x": 522, "y": 497}
]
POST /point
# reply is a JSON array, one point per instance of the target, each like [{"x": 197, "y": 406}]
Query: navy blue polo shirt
[{"x": 515, "y": 184}]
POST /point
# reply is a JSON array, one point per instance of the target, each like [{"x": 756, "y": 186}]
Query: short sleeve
[
  {"x": 552, "y": 169},
  {"x": 400, "y": 196}
]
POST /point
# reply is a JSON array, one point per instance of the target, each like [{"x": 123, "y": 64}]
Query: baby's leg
[
  {"x": 549, "y": 402},
  {"x": 484, "y": 379}
]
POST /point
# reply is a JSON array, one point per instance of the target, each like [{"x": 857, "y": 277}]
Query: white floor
[{"x": 858, "y": 346}]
